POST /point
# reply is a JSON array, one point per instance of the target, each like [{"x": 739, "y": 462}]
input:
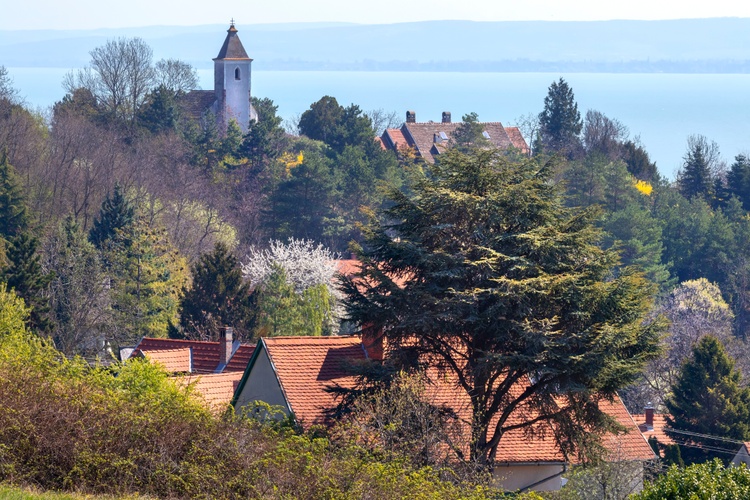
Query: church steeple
[{"x": 232, "y": 82}]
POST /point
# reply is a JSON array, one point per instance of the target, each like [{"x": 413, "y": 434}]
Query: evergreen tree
[
  {"x": 322, "y": 120},
  {"x": 301, "y": 206},
  {"x": 217, "y": 297},
  {"x": 265, "y": 140},
  {"x": 499, "y": 283},
  {"x": 708, "y": 402},
  {"x": 560, "y": 122},
  {"x": 160, "y": 112},
  {"x": 695, "y": 179},
  {"x": 738, "y": 180},
  {"x": 115, "y": 214},
  {"x": 13, "y": 218},
  {"x": 469, "y": 133},
  {"x": 24, "y": 275},
  {"x": 147, "y": 276}
]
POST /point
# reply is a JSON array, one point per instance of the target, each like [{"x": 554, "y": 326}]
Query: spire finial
[{"x": 231, "y": 23}]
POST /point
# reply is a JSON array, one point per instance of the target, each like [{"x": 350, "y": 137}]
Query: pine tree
[
  {"x": 501, "y": 283},
  {"x": 560, "y": 121},
  {"x": 147, "y": 276},
  {"x": 708, "y": 401},
  {"x": 738, "y": 180},
  {"x": 115, "y": 214},
  {"x": 695, "y": 179},
  {"x": 217, "y": 297},
  {"x": 13, "y": 218},
  {"x": 25, "y": 276}
]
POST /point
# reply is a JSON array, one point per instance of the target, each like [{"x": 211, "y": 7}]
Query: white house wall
[
  {"x": 262, "y": 385},
  {"x": 517, "y": 477}
]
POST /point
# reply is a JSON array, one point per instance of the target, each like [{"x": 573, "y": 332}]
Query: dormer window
[{"x": 237, "y": 73}]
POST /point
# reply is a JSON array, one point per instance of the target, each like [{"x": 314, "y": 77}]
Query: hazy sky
[{"x": 89, "y": 14}]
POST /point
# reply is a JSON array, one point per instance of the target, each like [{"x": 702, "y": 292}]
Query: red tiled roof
[
  {"x": 660, "y": 423},
  {"x": 173, "y": 360},
  {"x": 205, "y": 354},
  {"x": 216, "y": 389},
  {"x": 394, "y": 139},
  {"x": 516, "y": 138},
  {"x": 306, "y": 366}
]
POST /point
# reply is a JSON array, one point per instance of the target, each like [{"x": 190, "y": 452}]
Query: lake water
[{"x": 663, "y": 109}]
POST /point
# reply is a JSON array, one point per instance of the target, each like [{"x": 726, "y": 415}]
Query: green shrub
[{"x": 706, "y": 481}]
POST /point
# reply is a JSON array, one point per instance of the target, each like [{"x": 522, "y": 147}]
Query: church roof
[{"x": 232, "y": 48}]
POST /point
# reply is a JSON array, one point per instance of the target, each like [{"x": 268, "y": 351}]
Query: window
[{"x": 237, "y": 74}]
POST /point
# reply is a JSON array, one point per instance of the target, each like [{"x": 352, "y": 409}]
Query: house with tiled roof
[
  {"x": 653, "y": 425},
  {"x": 215, "y": 368},
  {"x": 296, "y": 373},
  {"x": 430, "y": 139},
  {"x": 230, "y": 99}
]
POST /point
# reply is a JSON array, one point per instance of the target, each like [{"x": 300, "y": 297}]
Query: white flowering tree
[{"x": 294, "y": 283}]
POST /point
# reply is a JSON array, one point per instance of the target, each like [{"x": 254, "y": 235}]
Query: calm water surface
[{"x": 663, "y": 109}]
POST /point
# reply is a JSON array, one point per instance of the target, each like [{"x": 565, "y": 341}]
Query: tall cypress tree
[
  {"x": 707, "y": 400},
  {"x": 115, "y": 214}
]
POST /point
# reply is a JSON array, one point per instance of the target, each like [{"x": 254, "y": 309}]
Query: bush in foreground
[
  {"x": 706, "y": 481},
  {"x": 130, "y": 429}
]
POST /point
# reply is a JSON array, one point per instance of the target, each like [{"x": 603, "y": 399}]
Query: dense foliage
[
  {"x": 708, "y": 481},
  {"x": 502, "y": 284},
  {"x": 129, "y": 428}
]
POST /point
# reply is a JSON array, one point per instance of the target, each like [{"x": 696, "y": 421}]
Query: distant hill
[{"x": 694, "y": 45}]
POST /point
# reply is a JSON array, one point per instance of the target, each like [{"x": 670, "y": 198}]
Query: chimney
[
  {"x": 649, "y": 411},
  {"x": 225, "y": 346},
  {"x": 446, "y": 116},
  {"x": 372, "y": 341},
  {"x": 411, "y": 117}
]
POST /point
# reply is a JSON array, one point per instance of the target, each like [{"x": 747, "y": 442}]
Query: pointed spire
[{"x": 232, "y": 48}]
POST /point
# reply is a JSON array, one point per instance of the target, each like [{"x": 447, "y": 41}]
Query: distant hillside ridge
[{"x": 688, "y": 45}]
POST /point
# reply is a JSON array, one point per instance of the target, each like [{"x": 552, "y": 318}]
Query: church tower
[{"x": 232, "y": 83}]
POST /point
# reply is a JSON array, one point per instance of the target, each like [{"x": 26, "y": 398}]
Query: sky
[{"x": 93, "y": 14}]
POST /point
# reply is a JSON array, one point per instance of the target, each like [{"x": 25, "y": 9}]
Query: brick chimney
[
  {"x": 446, "y": 116},
  {"x": 226, "y": 335},
  {"x": 649, "y": 412},
  {"x": 372, "y": 341},
  {"x": 411, "y": 117}
]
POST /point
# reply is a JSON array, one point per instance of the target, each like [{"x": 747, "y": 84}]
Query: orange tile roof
[
  {"x": 173, "y": 360},
  {"x": 658, "y": 430},
  {"x": 216, "y": 389},
  {"x": 205, "y": 354},
  {"x": 516, "y": 138},
  {"x": 306, "y": 366},
  {"x": 395, "y": 139}
]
